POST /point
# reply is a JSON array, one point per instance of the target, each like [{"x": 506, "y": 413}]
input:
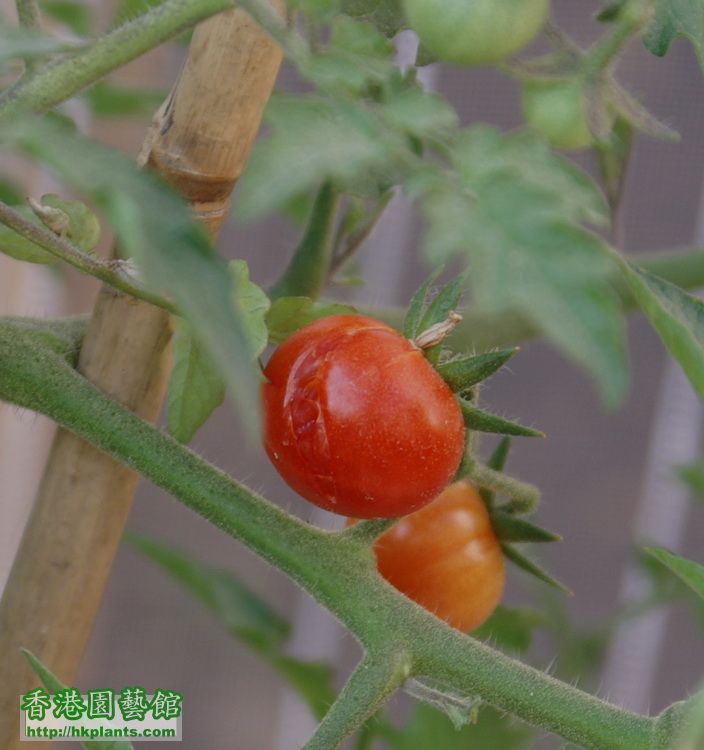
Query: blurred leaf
[
  {"x": 429, "y": 728},
  {"x": 312, "y": 140},
  {"x": 52, "y": 685},
  {"x": 18, "y": 247},
  {"x": 108, "y": 100},
  {"x": 692, "y": 573},
  {"x": 20, "y": 42},
  {"x": 691, "y": 734},
  {"x": 195, "y": 387},
  {"x": 127, "y": 10},
  {"x": 531, "y": 567},
  {"x": 246, "y": 616},
  {"x": 693, "y": 474},
  {"x": 463, "y": 372},
  {"x": 677, "y": 18},
  {"x": 511, "y": 529},
  {"x": 288, "y": 314},
  {"x": 678, "y": 318},
  {"x": 10, "y": 192},
  {"x": 511, "y": 628},
  {"x": 252, "y": 305},
  {"x": 386, "y": 15},
  {"x": 477, "y": 419},
  {"x": 513, "y": 210},
  {"x": 73, "y": 14},
  {"x": 419, "y": 113},
  {"x": 172, "y": 251}
]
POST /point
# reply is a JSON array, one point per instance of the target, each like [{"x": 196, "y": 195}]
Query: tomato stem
[{"x": 436, "y": 333}]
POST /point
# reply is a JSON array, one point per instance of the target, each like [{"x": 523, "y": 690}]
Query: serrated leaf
[
  {"x": 52, "y": 683},
  {"x": 678, "y": 318},
  {"x": 312, "y": 140},
  {"x": 511, "y": 529},
  {"x": 429, "y": 728},
  {"x": 675, "y": 18},
  {"x": 171, "y": 250},
  {"x": 477, "y": 419},
  {"x": 73, "y": 14},
  {"x": 511, "y": 627},
  {"x": 246, "y": 616},
  {"x": 418, "y": 305},
  {"x": 531, "y": 567},
  {"x": 196, "y": 388},
  {"x": 106, "y": 99},
  {"x": 464, "y": 372},
  {"x": 692, "y": 573},
  {"x": 513, "y": 210},
  {"x": 287, "y": 314}
]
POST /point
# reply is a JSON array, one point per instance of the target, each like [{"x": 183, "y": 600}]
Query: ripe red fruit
[
  {"x": 357, "y": 421},
  {"x": 446, "y": 557}
]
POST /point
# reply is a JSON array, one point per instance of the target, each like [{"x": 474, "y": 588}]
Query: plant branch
[
  {"x": 307, "y": 272},
  {"x": 108, "y": 271},
  {"x": 368, "y": 688},
  {"x": 370, "y": 530},
  {"x": 339, "y": 574},
  {"x": 56, "y": 83}
]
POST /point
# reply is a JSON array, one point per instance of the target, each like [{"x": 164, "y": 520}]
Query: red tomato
[
  {"x": 446, "y": 557},
  {"x": 357, "y": 421}
]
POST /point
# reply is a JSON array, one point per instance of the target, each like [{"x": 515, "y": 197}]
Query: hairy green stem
[
  {"x": 108, "y": 271},
  {"x": 339, "y": 572},
  {"x": 370, "y": 685},
  {"x": 62, "y": 80},
  {"x": 370, "y": 530},
  {"x": 307, "y": 272}
]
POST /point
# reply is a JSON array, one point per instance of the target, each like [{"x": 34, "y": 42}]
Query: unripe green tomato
[
  {"x": 558, "y": 110},
  {"x": 475, "y": 32}
]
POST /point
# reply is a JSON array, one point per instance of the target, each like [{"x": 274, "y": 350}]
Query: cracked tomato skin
[
  {"x": 357, "y": 421},
  {"x": 446, "y": 557}
]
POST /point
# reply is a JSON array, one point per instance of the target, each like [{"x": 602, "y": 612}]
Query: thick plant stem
[
  {"x": 307, "y": 272},
  {"x": 370, "y": 685},
  {"x": 199, "y": 142},
  {"x": 330, "y": 567}
]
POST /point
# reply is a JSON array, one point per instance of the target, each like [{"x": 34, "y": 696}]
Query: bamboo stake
[{"x": 199, "y": 141}]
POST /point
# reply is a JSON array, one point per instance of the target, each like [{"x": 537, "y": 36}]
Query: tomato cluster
[{"x": 357, "y": 421}]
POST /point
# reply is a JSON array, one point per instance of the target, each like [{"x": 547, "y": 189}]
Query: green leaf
[
  {"x": 675, "y": 18},
  {"x": 418, "y": 306},
  {"x": 73, "y": 14},
  {"x": 83, "y": 225},
  {"x": 511, "y": 529},
  {"x": 477, "y": 419},
  {"x": 287, "y": 314},
  {"x": 18, "y": 247},
  {"x": 693, "y": 474},
  {"x": 108, "y": 100},
  {"x": 678, "y": 318},
  {"x": 514, "y": 210},
  {"x": 692, "y": 573},
  {"x": 419, "y": 113},
  {"x": 386, "y": 15},
  {"x": 511, "y": 627},
  {"x": 27, "y": 44},
  {"x": 246, "y": 616},
  {"x": 196, "y": 388},
  {"x": 171, "y": 250},
  {"x": 52, "y": 683},
  {"x": 312, "y": 140},
  {"x": 429, "y": 728},
  {"x": 10, "y": 191},
  {"x": 463, "y": 372},
  {"x": 531, "y": 567},
  {"x": 127, "y": 10},
  {"x": 447, "y": 300},
  {"x": 497, "y": 460},
  {"x": 252, "y": 304}
]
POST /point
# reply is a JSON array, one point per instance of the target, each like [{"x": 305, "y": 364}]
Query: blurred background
[{"x": 606, "y": 478}]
